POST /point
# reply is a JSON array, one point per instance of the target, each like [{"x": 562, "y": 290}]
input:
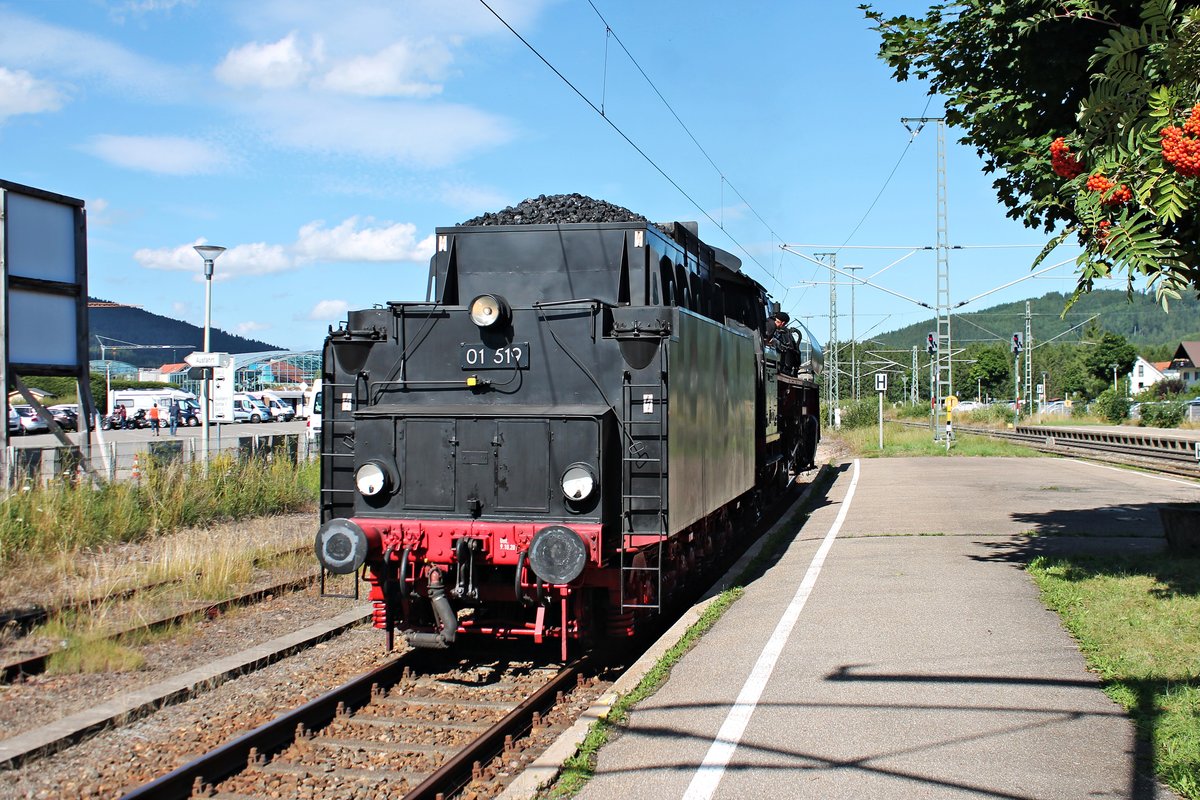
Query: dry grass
[{"x": 220, "y": 555}]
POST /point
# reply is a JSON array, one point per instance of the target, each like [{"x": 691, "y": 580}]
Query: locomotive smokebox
[{"x": 341, "y": 546}]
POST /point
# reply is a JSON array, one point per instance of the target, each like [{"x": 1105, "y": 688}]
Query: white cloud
[
  {"x": 349, "y": 242},
  {"x": 244, "y": 259},
  {"x": 277, "y": 65},
  {"x": 164, "y": 155},
  {"x": 250, "y": 326},
  {"x": 21, "y": 93},
  {"x": 85, "y": 57},
  {"x": 403, "y": 69},
  {"x": 328, "y": 310}
]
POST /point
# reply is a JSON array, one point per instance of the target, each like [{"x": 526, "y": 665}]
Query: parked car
[
  {"x": 66, "y": 415},
  {"x": 14, "y": 422},
  {"x": 29, "y": 421}
]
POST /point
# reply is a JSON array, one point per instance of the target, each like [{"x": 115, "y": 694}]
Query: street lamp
[
  {"x": 1114, "y": 369},
  {"x": 209, "y": 253}
]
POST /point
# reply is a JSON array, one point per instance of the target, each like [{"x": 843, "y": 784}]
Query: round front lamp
[
  {"x": 372, "y": 478},
  {"x": 490, "y": 310},
  {"x": 578, "y": 482}
]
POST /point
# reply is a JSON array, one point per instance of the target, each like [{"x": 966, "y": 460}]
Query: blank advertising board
[{"x": 43, "y": 310}]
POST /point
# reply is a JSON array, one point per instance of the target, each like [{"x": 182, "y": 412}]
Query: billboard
[{"x": 43, "y": 307}]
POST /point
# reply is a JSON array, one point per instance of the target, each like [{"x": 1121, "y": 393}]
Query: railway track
[
  {"x": 1157, "y": 450},
  {"x": 417, "y": 727},
  {"x": 35, "y": 663}
]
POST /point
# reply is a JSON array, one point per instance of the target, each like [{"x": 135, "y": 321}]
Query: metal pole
[
  {"x": 204, "y": 410},
  {"x": 881, "y": 420},
  {"x": 853, "y": 336}
]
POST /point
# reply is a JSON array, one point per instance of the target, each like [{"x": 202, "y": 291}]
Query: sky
[{"x": 322, "y": 144}]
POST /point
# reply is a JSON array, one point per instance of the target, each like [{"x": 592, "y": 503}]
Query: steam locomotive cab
[{"x": 499, "y": 460}]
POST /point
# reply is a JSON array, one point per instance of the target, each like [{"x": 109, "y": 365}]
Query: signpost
[
  {"x": 218, "y": 368},
  {"x": 881, "y": 387}
]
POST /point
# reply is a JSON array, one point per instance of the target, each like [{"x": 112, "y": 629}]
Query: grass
[
  {"x": 904, "y": 440},
  {"x": 1135, "y": 621},
  {"x": 85, "y": 646},
  {"x": 61, "y": 517}
]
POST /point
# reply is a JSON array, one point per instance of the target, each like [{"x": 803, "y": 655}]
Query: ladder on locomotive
[
  {"x": 340, "y": 427},
  {"x": 644, "y": 420}
]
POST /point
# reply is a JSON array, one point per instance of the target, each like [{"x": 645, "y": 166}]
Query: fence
[{"x": 117, "y": 461}]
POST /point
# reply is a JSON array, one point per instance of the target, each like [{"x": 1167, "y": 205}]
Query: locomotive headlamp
[
  {"x": 488, "y": 310},
  {"x": 372, "y": 478},
  {"x": 557, "y": 554},
  {"x": 578, "y": 482}
]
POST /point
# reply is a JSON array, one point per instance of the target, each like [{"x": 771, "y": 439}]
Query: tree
[
  {"x": 1088, "y": 114},
  {"x": 1112, "y": 350},
  {"x": 992, "y": 370}
]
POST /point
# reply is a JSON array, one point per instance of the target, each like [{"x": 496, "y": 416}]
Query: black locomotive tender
[{"x": 570, "y": 431}]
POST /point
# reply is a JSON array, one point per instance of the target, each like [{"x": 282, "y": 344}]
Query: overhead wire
[{"x": 632, "y": 144}]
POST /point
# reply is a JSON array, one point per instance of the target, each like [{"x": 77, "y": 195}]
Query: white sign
[
  {"x": 202, "y": 359},
  {"x": 221, "y": 395},
  {"x": 881, "y": 381}
]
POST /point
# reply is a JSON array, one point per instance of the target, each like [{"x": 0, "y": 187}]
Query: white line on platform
[
  {"x": 1135, "y": 472},
  {"x": 712, "y": 769}
]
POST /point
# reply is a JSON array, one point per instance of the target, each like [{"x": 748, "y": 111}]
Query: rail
[
  {"x": 273, "y": 737},
  {"x": 1157, "y": 449}
]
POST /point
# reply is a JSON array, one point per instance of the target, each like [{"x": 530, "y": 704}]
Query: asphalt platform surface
[{"x": 902, "y": 652}]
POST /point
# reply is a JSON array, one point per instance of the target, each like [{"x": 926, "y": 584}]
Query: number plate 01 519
[{"x": 513, "y": 356}]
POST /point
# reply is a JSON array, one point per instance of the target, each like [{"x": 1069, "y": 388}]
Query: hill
[
  {"x": 130, "y": 325},
  {"x": 1139, "y": 319}
]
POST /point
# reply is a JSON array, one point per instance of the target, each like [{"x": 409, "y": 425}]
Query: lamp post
[
  {"x": 209, "y": 253},
  {"x": 1114, "y": 369}
]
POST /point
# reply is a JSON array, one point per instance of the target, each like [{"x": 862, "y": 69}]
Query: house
[
  {"x": 1147, "y": 373},
  {"x": 1186, "y": 362}
]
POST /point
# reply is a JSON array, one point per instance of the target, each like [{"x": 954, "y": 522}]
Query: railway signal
[
  {"x": 1017, "y": 347},
  {"x": 931, "y": 344}
]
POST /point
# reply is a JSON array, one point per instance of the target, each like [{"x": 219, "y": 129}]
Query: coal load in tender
[{"x": 557, "y": 209}]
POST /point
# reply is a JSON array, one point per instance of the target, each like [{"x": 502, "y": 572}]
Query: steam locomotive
[{"x": 568, "y": 432}]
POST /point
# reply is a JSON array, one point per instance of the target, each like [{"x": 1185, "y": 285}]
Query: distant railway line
[{"x": 1172, "y": 452}]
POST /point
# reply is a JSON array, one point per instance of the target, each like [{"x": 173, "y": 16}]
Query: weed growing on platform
[
  {"x": 62, "y": 517},
  {"x": 1135, "y": 621},
  {"x": 903, "y": 440}
]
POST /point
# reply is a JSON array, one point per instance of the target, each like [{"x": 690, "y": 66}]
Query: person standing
[
  {"x": 173, "y": 415},
  {"x": 124, "y": 419},
  {"x": 154, "y": 418}
]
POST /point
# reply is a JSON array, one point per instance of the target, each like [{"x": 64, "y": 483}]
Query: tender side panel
[{"x": 711, "y": 410}]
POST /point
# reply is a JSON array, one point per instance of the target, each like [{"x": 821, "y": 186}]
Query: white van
[
  {"x": 313, "y": 401},
  {"x": 136, "y": 400},
  {"x": 247, "y": 408},
  {"x": 279, "y": 409}
]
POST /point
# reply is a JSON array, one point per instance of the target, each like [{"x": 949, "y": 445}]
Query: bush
[
  {"x": 910, "y": 411},
  {"x": 861, "y": 414},
  {"x": 1111, "y": 406},
  {"x": 1079, "y": 409},
  {"x": 1162, "y": 415}
]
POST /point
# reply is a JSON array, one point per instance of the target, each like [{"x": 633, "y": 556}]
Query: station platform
[{"x": 897, "y": 649}]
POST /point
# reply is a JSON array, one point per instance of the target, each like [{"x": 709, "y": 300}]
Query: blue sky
[{"x": 322, "y": 143}]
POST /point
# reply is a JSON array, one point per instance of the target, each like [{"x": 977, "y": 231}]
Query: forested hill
[
  {"x": 131, "y": 325},
  {"x": 1140, "y": 320}
]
